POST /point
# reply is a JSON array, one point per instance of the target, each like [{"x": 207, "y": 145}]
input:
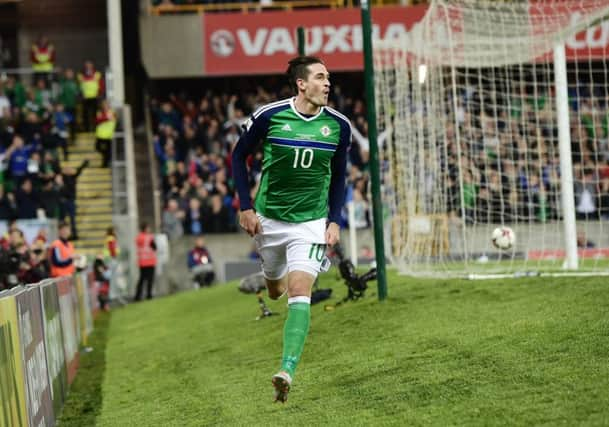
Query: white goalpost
[{"x": 498, "y": 114}]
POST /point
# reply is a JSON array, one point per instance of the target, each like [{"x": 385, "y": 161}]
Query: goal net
[{"x": 497, "y": 113}]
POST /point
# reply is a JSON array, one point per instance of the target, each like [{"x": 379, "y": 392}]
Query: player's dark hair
[
  {"x": 143, "y": 226},
  {"x": 298, "y": 68}
]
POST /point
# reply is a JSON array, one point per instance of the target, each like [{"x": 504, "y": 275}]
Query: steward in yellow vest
[
  {"x": 91, "y": 88},
  {"x": 104, "y": 132},
  {"x": 42, "y": 55}
]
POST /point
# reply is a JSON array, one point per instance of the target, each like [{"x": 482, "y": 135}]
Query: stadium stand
[{"x": 194, "y": 137}]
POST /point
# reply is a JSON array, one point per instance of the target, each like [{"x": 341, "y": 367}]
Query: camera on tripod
[{"x": 357, "y": 284}]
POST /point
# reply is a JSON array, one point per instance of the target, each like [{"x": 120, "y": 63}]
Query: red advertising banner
[
  {"x": 38, "y": 390},
  {"x": 554, "y": 254},
  {"x": 262, "y": 43}
]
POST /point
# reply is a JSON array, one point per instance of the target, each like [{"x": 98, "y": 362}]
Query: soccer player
[{"x": 300, "y": 196}]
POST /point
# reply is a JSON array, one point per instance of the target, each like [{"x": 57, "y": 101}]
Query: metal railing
[{"x": 124, "y": 199}]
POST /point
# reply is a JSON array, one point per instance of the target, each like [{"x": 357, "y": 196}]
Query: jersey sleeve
[
  {"x": 254, "y": 130},
  {"x": 336, "y": 198}
]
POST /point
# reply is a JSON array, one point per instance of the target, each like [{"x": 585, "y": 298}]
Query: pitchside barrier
[{"x": 42, "y": 326}]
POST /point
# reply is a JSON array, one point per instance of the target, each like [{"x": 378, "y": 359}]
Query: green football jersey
[{"x": 299, "y": 154}]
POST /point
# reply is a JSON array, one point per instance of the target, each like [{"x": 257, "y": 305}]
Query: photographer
[
  {"x": 200, "y": 264},
  {"x": 9, "y": 269},
  {"x": 14, "y": 261}
]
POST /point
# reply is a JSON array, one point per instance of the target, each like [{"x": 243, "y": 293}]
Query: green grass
[{"x": 533, "y": 351}]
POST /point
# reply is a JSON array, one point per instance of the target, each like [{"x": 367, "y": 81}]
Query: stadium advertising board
[
  {"x": 12, "y": 392},
  {"x": 262, "y": 43},
  {"x": 38, "y": 393},
  {"x": 53, "y": 339},
  {"x": 69, "y": 326},
  {"x": 84, "y": 306},
  {"x": 92, "y": 285}
]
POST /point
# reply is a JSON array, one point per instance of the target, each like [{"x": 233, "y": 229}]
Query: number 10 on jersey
[{"x": 303, "y": 158}]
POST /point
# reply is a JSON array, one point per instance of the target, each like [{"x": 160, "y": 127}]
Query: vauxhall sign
[{"x": 262, "y": 43}]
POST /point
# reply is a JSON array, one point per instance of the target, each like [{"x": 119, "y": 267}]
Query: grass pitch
[{"x": 526, "y": 351}]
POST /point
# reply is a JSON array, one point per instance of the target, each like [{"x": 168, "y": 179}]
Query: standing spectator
[
  {"x": 16, "y": 92},
  {"x": 146, "y": 259},
  {"x": 5, "y": 106},
  {"x": 111, "y": 248},
  {"x": 91, "y": 88},
  {"x": 68, "y": 92},
  {"x": 66, "y": 184},
  {"x": 49, "y": 199},
  {"x": 172, "y": 220},
  {"x": 603, "y": 203},
  {"x": 104, "y": 132},
  {"x": 62, "y": 123},
  {"x": 8, "y": 205},
  {"x": 102, "y": 281},
  {"x": 585, "y": 194},
  {"x": 17, "y": 155},
  {"x": 62, "y": 253},
  {"x": 42, "y": 55},
  {"x": 27, "y": 201}
]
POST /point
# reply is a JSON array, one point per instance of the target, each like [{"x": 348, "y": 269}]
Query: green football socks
[{"x": 295, "y": 332}]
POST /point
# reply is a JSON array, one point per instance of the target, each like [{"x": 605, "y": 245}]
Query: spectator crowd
[
  {"x": 510, "y": 166},
  {"x": 39, "y": 115},
  {"x": 193, "y": 140}
]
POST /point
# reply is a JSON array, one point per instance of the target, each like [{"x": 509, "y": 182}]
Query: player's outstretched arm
[{"x": 336, "y": 198}]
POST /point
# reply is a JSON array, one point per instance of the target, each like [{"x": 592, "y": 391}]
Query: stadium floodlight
[{"x": 511, "y": 127}]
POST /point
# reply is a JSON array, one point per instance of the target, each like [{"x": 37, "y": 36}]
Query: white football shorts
[{"x": 286, "y": 247}]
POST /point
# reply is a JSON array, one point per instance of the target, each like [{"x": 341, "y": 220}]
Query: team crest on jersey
[{"x": 325, "y": 130}]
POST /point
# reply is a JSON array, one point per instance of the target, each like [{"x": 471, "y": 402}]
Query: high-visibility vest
[
  {"x": 42, "y": 58},
  {"x": 105, "y": 129},
  {"x": 146, "y": 256},
  {"x": 66, "y": 251},
  {"x": 89, "y": 85}
]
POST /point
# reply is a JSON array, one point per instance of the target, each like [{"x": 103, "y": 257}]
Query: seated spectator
[
  {"x": 200, "y": 264},
  {"x": 583, "y": 242},
  {"x": 193, "y": 218},
  {"x": 217, "y": 217}
]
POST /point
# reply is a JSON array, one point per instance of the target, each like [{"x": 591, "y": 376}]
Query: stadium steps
[{"x": 93, "y": 198}]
